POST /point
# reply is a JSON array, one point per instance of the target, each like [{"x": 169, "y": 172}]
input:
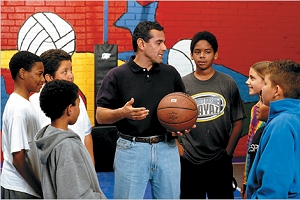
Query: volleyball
[{"x": 45, "y": 30}]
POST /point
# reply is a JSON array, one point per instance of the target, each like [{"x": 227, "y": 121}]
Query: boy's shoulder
[
  {"x": 17, "y": 103},
  {"x": 217, "y": 76},
  {"x": 187, "y": 76},
  {"x": 223, "y": 75},
  {"x": 69, "y": 150},
  {"x": 34, "y": 97},
  {"x": 54, "y": 135}
]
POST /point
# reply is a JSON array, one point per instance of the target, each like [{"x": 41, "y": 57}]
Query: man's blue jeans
[{"x": 136, "y": 163}]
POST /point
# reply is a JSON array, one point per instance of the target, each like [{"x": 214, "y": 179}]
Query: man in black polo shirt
[{"x": 128, "y": 97}]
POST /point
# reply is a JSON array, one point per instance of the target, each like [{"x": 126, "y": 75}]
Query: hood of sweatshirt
[
  {"x": 287, "y": 105},
  {"x": 48, "y": 137}
]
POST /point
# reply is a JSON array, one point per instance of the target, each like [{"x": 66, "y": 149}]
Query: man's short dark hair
[
  {"x": 142, "y": 30},
  {"x": 22, "y": 59},
  {"x": 56, "y": 96}
]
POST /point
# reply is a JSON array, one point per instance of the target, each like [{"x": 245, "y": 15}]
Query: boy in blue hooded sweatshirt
[
  {"x": 275, "y": 172},
  {"x": 67, "y": 171}
]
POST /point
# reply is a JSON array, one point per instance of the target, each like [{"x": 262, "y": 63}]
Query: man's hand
[
  {"x": 110, "y": 116},
  {"x": 134, "y": 113},
  {"x": 178, "y": 133}
]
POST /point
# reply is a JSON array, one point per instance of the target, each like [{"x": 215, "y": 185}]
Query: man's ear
[
  {"x": 140, "y": 43},
  {"x": 48, "y": 77},
  {"x": 216, "y": 55}
]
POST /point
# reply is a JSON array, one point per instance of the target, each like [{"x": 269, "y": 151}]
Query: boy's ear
[
  {"x": 48, "y": 77},
  {"x": 69, "y": 110},
  {"x": 279, "y": 93},
  {"x": 216, "y": 56},
  {"x": 21, "y": 73}
]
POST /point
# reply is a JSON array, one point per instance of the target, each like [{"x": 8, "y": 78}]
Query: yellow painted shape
[{"x": 84, "y": 75}]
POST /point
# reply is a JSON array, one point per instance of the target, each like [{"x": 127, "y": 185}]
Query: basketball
[{"x": 177, "y": 111}]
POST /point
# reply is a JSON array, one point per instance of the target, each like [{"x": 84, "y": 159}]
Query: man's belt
[{"x": 150, "y": 139}]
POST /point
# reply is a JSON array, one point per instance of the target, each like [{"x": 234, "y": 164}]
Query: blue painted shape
[
  {"x": 240, "y": 80},
  {"x": 105, "y": 26},
  {"x": 4, "y": 98},
  {"x": 125, "y": 55},
  {"x": 135, "y": 14}
]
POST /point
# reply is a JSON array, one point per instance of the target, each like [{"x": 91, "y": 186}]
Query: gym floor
[
  {"x": 106, "y": 180},
  {"x": 238, "y": 172}
]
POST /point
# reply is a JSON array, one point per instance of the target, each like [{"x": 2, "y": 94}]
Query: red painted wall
[{"x": 247, "y": 31}]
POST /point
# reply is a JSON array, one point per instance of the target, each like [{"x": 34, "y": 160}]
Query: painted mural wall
[{"x": 247, "y": 32}]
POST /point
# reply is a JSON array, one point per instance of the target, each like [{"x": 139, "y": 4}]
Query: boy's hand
[{"x": 180, "y": 148}]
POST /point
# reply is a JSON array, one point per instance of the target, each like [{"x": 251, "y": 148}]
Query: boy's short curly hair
[
  {"x": 22, "y": 59},
  {"x": 56, "y": 96},
  {"x": 205, "y": 35},
  {"x": 52, "y": 59}
]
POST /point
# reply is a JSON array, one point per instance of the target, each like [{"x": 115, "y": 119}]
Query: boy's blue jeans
[{"x": 136, "y": 163}]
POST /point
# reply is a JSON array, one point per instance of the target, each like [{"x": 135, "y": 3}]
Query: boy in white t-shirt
[
  {"x": 58, "y": 65},
  {"x": 20, "y": 178}
]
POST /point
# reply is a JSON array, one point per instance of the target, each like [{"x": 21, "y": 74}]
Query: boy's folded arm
[{"x": 24, "y": 169}]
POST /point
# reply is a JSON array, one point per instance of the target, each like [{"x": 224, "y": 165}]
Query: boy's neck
[
  {"x": 18, "y": 89},
  {"x": 60, "y": 124},
  {"x": 204, "y": 75}
]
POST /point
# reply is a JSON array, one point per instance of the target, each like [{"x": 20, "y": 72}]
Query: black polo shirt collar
[{"x": 136, "y": 68}]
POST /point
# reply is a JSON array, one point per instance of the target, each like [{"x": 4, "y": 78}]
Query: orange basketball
[{"x": 177, "y": 111}]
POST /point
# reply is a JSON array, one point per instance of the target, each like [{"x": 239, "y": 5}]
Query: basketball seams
[
  {"x": 178, "y": 122},
  {"x": 176, "y": 107},
  {"x": 177, "y": 111},
  {"x": 175, "y": 94}
]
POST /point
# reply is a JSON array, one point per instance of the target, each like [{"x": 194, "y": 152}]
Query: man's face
[{"x": 155, "y": 48}]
